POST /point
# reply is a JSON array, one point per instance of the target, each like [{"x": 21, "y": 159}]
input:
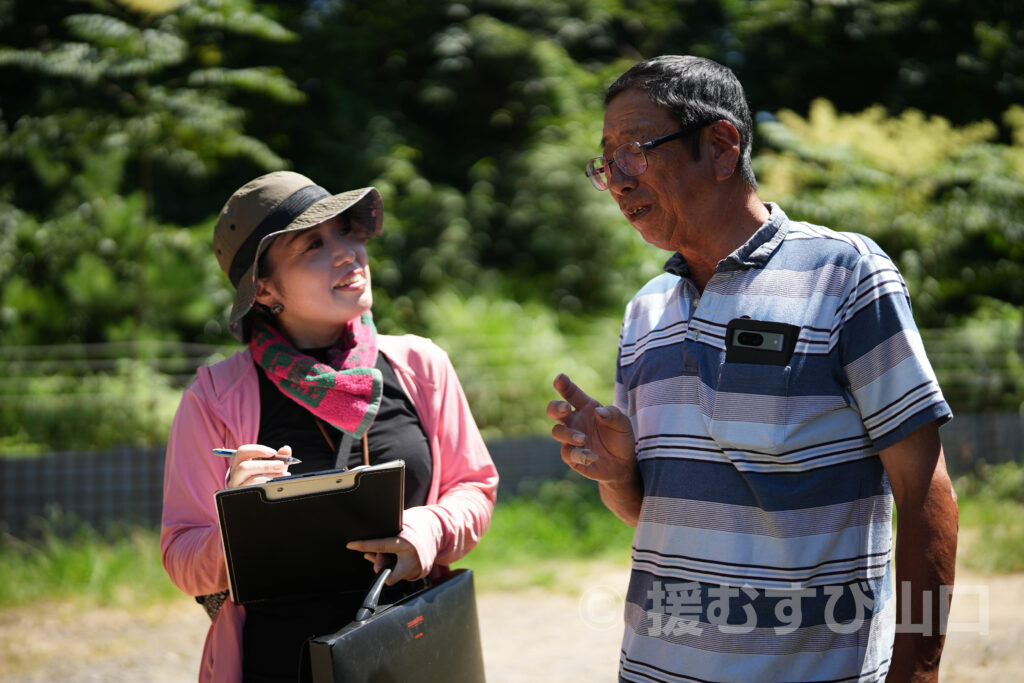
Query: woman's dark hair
[
  {"x": 264, "y": 267},
  {"x": 695, "y": 91}
]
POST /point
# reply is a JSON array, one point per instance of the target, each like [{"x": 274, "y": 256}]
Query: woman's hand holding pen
[{"x": 256, "y": 464}]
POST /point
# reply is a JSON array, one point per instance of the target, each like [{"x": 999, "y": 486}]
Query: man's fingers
[
  {"x": 614, "y": 418},
  {"x": 575, "y": 455},
  {"x": 568, "y": 435},
  {"x": 559, "y": 410},
  {"x": 576, "y": 397},
  {"x": 581, "y": 456}
]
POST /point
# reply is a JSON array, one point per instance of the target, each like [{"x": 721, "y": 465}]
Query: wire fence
[
  {"x": 58, "y": 492},
  {"x": 82, "y": 426}
]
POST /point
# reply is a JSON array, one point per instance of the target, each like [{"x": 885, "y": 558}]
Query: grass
[
  {"x": 549, "y": 537},
  {"x": 117, "y": 568},
  {"x": 992, "y": 518}
]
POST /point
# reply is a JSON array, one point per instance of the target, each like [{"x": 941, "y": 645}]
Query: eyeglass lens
[
  {"x": 629, "y": 158},
  {"x": 597, "y": 171}
]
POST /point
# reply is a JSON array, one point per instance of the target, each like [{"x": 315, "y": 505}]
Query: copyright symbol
[{"x": 601, "y": 608}]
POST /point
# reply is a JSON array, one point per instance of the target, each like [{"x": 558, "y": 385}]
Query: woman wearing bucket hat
[{"x": 315, "y": 380}]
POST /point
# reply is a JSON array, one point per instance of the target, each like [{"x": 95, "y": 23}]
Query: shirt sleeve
[{"x": 882, "y": 356}]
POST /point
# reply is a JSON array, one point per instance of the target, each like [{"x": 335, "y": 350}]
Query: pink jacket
[{"x": 221, "y": 408}]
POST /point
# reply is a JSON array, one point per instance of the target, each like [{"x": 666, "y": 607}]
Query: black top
[{"x": 276, "y": 630}]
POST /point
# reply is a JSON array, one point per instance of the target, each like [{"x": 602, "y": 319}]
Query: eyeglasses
[{"x": 630, "y": 158}]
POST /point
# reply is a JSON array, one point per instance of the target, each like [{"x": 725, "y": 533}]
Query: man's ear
[{"x": 725, "y": 149}]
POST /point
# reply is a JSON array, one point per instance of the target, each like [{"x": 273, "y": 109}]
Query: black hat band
[{"x": 278, "y": 219}]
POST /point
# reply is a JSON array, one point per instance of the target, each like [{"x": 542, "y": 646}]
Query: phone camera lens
[{"x": 750, "y": 339}]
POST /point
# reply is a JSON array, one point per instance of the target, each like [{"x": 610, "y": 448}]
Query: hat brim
[{"x": 367, "y": 199}]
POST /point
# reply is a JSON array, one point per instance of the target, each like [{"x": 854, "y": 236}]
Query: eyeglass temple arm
[{"x": 663, "y": 139}]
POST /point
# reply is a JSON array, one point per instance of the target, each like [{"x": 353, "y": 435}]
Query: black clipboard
[{"x": 287, "y": 537}]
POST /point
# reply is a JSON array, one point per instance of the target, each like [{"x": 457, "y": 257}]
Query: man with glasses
[{"x": 773, "y": 399}]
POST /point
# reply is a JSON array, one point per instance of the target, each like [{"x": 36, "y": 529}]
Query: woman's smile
[{"x": 355, "y": 280}]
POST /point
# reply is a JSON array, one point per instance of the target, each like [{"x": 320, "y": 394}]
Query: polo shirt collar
[{"x": 754, "y": 253}]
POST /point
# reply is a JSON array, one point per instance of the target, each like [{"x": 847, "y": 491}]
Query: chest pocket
[
  {"x": 749, "y": 410},
  {"x": 750, "y": 407}
]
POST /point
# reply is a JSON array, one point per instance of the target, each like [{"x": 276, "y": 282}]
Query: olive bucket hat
[{"x": 269, "y": 206}]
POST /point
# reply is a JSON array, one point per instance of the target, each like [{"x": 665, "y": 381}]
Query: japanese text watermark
[{"x": 691, "y": 608}]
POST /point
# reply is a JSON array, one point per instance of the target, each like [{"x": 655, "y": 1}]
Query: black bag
[{"x": 430, "y": 635}]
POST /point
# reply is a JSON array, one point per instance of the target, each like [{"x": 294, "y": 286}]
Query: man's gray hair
[{"x": 695, "y": 91}]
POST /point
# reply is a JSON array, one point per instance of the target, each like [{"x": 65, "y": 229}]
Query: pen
[{"x": 230, "y": 453}]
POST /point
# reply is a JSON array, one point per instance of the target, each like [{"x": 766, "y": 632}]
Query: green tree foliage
[
  {"x": 107, "y": 272},
  {"x": 962, "y": 60},
  {"x": 108, "y": 101},
  {"x": 150, "y": 88}
]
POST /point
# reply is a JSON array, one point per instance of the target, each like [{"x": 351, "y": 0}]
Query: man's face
[{"x": 659, "y": 201}]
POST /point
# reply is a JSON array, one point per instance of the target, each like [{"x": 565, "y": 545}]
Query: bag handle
[
  {"x": 369, "y": 606},
  {"x": 367, "y": 610}
]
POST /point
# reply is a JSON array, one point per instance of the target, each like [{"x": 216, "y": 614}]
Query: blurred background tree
[
  {"x": 100, "y": 108},
  {"x": 126, "y": 124}
]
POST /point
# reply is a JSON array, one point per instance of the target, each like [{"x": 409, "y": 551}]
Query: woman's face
[{"x": 321, "y": 277}]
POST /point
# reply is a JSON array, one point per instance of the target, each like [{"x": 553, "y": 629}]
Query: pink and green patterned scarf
[{"x": 344, "y": 392}]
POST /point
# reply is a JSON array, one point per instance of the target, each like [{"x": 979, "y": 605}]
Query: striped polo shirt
[{"x": 762, "y": 551}]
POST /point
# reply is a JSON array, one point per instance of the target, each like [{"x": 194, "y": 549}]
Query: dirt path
[{"x": 528, "y": 635}]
